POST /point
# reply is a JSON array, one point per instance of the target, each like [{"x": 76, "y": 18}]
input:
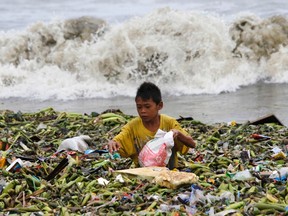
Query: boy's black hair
[{"x": 149, "y": 90}]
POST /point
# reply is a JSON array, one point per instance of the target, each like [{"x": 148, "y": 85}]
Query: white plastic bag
[
  {"x": 78, "y": 143},
  {"x": 157, "y": 151}
]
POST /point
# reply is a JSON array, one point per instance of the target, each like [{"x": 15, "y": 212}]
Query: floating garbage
[
  {"x": 15, "y": 166},
  {"x": 243, "y": 175},
  {"x": 229, "y": 172},
  {"x": 78, "y": 143},
  {"x": 260, "y": 137},
  {"x": 279, "y": 174},
  {"x": 270, "y": 118}
]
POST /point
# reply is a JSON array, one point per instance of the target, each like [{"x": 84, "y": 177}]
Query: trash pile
[{"x": 56, "y": 163}]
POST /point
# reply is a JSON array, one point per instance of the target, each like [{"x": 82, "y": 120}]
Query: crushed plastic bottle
[
  {"x": 196, "y": 195},
  {"x": 280, "y": 175},
  {"x": 168, "y": 208},
  {"x": 243, "y": 175}
]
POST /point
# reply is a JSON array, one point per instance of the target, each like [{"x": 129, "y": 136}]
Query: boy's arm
[
  {"x": 122, "y": 143},
  {"x": 185, "y": 139}
]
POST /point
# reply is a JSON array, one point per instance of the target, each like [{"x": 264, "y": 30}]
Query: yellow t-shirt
[{"x": 134, "y": 136}]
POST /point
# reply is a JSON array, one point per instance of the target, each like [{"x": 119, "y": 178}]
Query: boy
[{"x": 136, "y": 133}]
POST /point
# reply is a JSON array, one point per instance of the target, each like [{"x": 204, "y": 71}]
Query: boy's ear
[{"x": 160, "y": 105}]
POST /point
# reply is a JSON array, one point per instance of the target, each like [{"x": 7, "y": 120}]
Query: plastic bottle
[
  {"x": 259, "y": 136},
  {"x": 242, "y": 175},
  {"x": 280, "y": 175}
]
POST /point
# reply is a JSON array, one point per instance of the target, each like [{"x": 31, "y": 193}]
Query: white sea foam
[{"x": 184, "y": 52}]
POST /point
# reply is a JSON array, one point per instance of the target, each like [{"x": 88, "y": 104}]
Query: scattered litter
[
  {"x": 15, "y": 166},
  {"x": 103, "y": 181},
  {"x": 78, "y": 143},
  {"x": 270, "y": 118},
  {"x": 236, "y": 168}
]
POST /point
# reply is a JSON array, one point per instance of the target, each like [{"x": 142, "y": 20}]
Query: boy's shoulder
[
  {"x": 167, "y": 117},
  {"x": 168, "y": 120}
]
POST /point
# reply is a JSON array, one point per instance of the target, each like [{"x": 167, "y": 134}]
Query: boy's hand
[
  {"x": 113, "y": 146},
  {"x": 185, "y": 139},
  {"x": 175, "y": 133}
]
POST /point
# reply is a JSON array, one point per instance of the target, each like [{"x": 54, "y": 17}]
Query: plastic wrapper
[
  {"x": 157, "y": 151},
  {"x": 78, "y": 143}
]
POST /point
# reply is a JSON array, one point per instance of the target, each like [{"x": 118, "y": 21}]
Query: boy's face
[{"x": 147, "y": 109}]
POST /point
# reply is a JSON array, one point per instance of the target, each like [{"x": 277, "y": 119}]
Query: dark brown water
[{"x": 248, "y": 103}]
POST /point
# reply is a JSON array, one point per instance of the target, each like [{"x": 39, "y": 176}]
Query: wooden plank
[{"x": 271, "y": 118}]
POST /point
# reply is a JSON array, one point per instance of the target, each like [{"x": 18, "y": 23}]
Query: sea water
[{"x": 213, "y": 60}]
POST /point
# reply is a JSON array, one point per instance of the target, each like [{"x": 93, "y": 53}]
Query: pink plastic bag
[{"x": 157, "y": 151}]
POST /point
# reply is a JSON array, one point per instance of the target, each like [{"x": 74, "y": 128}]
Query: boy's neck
[{"x": 153, "y": 125}]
